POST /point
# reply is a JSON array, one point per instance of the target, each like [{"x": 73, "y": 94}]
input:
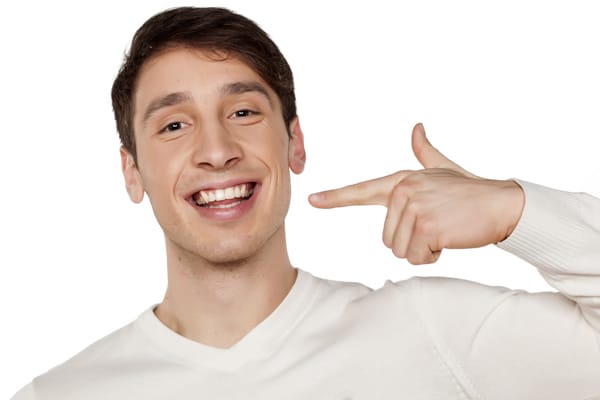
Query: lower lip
[{"x": 231, "y": 213}]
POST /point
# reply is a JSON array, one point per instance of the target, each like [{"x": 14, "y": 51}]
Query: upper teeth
[{"x": 232, "y": 192}]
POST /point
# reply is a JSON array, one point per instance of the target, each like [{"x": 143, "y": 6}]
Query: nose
[{"x": 216, "y": 148}]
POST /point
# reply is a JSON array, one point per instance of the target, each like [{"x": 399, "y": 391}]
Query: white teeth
[
  {"x": 208, "y": 196},
  {"x": 205, "y": 197},
  {"x": 225, "y": 205}
]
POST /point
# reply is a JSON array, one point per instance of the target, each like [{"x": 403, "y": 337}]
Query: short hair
[{"x": 218, "y": 31}]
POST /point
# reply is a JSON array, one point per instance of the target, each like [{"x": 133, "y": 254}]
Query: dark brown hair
[{"x": 212, "y": 29}]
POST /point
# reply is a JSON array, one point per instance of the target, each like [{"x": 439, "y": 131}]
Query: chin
[
  {"x": 228, "y": 257},
  {"x": 222, "y": 249},
  {"x": 222, "y": 254},
  {"x": 238, "y": 249}
]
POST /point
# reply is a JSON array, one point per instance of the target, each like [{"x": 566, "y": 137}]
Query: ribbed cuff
[{"x": 551, "y": 230}]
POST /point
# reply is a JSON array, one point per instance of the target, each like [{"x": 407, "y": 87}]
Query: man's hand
[{"x": 441, "y": 206}]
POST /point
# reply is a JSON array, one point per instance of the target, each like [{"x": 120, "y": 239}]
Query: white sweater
[{"x": 424, "y": 338}]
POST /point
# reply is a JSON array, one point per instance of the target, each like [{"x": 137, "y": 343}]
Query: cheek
[
  {"x": 274, "y": 157},
  {"x": 269, "y": 143},
  {"x": 159, "y": 171}
]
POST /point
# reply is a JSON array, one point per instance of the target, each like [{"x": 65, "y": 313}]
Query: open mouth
[{"x": 225, "y": 197}]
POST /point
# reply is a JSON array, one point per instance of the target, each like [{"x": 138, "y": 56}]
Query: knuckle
[
  {"x": 413, "y": 207},
  {"x": 426, "y": 226},
  {"x": 399, "y": 193},
  {"x": 415, "y": 179}
]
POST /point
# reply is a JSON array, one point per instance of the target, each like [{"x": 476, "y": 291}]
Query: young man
[{"x": 205, "y": 110}]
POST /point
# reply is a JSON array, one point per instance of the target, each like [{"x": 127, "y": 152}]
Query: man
[{"x": 205, "y": 110}]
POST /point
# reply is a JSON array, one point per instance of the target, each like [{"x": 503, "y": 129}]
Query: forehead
[{"x": 190, "y": 70}]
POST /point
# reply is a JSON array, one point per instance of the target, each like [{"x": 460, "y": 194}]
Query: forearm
[{"x": 559, "y": 233}]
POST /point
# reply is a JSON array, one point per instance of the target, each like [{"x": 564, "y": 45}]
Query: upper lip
[{"x": 221, "y": 185}]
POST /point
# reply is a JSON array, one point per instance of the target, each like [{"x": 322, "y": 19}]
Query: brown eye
[
  {"x": 243, "y": 113},
  {"x": 172, "y": 126}
]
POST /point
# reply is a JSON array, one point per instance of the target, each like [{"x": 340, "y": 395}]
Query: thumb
[{"x": 429, "y": 156}]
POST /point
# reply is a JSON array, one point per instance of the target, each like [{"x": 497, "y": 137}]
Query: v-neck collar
[{"x": 257, "y": 344}]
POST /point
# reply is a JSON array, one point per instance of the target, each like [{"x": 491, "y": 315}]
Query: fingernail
[{"x": 315, "y": 197}]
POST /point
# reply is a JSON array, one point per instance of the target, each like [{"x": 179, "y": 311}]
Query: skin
[
  {"x": 441, "y": 206},
  {"x": 226, "y": 275}
]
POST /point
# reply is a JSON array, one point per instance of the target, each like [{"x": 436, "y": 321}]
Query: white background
[{"x": 506, "y": 89}]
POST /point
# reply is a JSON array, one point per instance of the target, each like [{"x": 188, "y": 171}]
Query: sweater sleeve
[
  {"x": 559, "y": 233},
  {"x": 510, "y": 344}
]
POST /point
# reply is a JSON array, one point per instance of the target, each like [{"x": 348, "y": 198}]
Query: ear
[
  {"x": 296, "y": 151},
  {"x": 133, "y": 179}
]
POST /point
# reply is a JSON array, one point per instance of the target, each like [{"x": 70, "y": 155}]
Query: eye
[
  {"x": 173, "y": 126},
  {"x": 243, "y": 113}
]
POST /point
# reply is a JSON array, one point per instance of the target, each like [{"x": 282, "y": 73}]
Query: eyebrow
[
  {"x": 173, "y": 99},
  {"x": 245, "y": 87}
]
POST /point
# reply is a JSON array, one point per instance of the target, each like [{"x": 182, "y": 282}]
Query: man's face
[{"x": 213, "y": 155}]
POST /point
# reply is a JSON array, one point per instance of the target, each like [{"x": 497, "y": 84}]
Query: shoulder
[
  {"x": 420, "y": 292},
  {"x": 330, "y": 291},
  {"x": 340, "y": 298},
  {"x": 445, "y": 298},
  {"x": 26, "y": 393},
  {"x": 88, "y": 368}
]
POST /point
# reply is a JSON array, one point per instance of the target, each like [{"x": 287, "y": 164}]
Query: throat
[{"x": 220, "y": 316}]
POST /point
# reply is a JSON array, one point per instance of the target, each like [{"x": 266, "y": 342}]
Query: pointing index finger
[{"x": 372, "y": 192}]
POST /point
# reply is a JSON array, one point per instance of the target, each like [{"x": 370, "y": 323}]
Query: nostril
[
  {"x": 232, "y": 161},
  {"x": 216, "y": 150}
]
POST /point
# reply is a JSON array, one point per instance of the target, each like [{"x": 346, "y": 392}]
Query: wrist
[{"x": 513, "y": 199}]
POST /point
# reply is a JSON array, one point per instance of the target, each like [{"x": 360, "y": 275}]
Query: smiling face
[{"x": 213, "y": 155}]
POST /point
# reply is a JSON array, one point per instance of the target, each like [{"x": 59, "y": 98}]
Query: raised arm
[
  {"x": 513, "y": 344},
  {"x": 441, "y": 206},
  {"x": 499, "y": 343}
]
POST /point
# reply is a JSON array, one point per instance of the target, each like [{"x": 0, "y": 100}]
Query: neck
[{"x": 219, "y": 304}]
